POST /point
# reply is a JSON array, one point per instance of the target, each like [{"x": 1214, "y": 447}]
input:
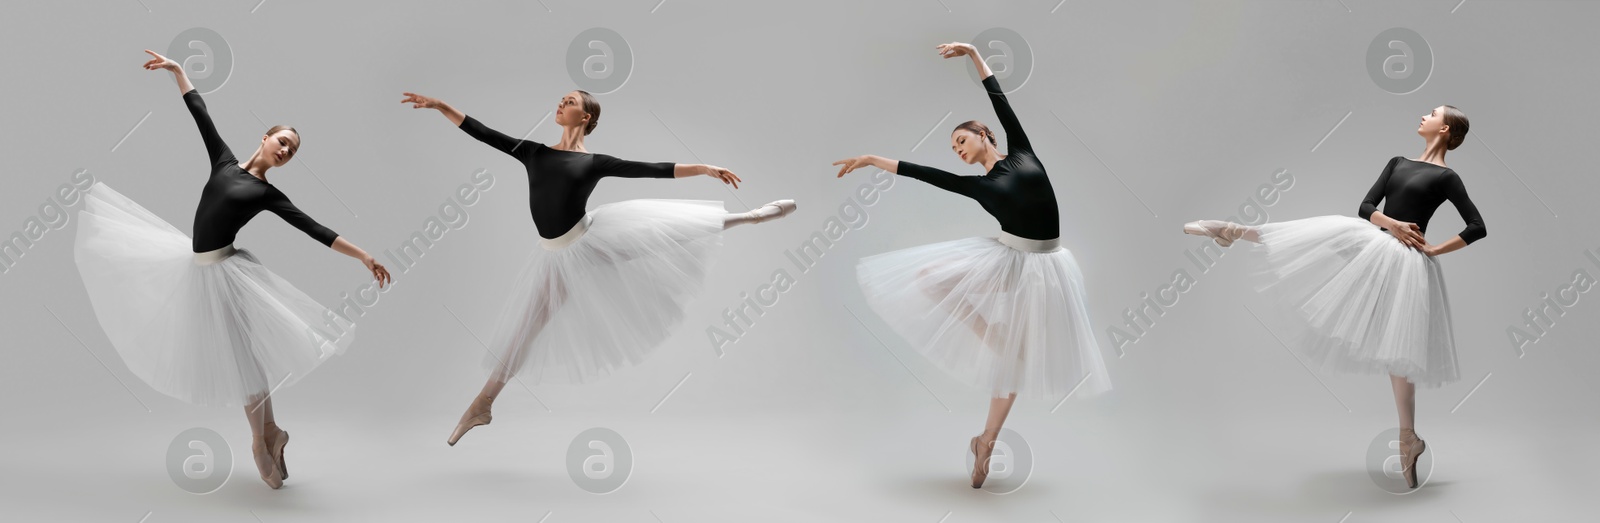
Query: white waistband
[
  {"x": 572, "y": 235},
  {"x": 210, "y": 257},
  {"x": 1027, "y": 245}
]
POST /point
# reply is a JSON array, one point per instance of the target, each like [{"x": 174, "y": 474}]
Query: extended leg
[
  {"x": 1223, "y": 232},
  {"x": 479, "y": 412},
  {"x": 774, "y": 210}
]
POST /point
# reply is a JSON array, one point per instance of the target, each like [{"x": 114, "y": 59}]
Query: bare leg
[
  {"x": 1411, "y": 447},
  {"x": 479, "y": 413},
  {"x": 1405, "y": 401},
  {"x": 998, "y": 409},
  {"x": 774, "y": 210}
]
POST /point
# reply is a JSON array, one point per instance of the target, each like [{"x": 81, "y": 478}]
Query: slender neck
[
  {"x": 1434, "y": 151},
  {"x": 571, "y": 139},
  {"x": 988, "y": 157},
  {"x": 256, "y": 165}
]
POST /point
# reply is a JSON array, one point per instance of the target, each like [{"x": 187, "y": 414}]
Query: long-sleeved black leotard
[
  {"x": 233, "y": 196},
  {"x": 559, "y": 182},
  {"x": 1016, "y": 191},
  {"x": 1416, "y": 189}
]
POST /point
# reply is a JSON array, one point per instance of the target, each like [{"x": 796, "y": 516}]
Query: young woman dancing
[
  {"x": 1007, "y": 314},
  {"x": 605, "y": 287},
  {"x": 198, "y": 319},
  {"x": 1369, "y": 291}
]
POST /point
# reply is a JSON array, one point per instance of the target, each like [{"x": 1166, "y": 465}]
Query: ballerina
[
  {"x": 606, "y": 286},
  {"x": 198, "y": 319},
  {"x": 1369, "y": 292},
  {"x": 1008, "y": 313}
]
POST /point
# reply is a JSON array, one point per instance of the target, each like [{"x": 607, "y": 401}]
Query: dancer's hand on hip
[{"x": 1408, "y": 233}]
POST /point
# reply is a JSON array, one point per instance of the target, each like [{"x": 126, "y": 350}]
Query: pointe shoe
[
  {"x": 1411, "y": 449},
  {"x": 980, "y": 465},
  {"x": 467, "y": 423},
  {"x": 278, "y": 444},
  {"x": 782, "y": 208},
  {"x": 1224, "y": 233},
  {"x": 265, "y": 464}
]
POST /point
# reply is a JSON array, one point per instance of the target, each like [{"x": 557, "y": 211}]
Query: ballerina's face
[
  {"x": 569, "y": 112},
  {"x": 1433, "y": 124},
  {"x": 279, "y": 147},
  {"x": 967, "y": 145}
]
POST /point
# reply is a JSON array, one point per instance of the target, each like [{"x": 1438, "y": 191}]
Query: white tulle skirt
[
  {"x": 213, "y": 328},
  {"x": 1005, "y": 314},
  {"x": 607, "y": 293},
  {"x": 1363, "y": 302}
]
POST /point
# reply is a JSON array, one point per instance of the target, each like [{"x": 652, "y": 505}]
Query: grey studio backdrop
[{"x": 1148, "y": 114}]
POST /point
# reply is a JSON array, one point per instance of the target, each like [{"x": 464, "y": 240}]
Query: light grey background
[{"x": 1178, "y": 111}]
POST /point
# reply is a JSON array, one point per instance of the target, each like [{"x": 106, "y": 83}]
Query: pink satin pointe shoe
[
  {"x": 773, "y": 211},
  {"x": 1411, "y": 449},
  {"x": 477, "y": 414},
  {"x": 981, "y": 452},
  {"x": 1224, "y": 233}
]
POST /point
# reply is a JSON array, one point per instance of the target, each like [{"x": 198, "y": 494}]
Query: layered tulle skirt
[
  {"x": 215, "y": 328},
  {"x": 1361, "y": 300},
  {"x": 605, "y": 294},
  {"x": 1007, "y": 314}
]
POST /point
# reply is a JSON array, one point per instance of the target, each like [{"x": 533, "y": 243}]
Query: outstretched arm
[
  {"x": 379, "y": 272},
  {"x": 608, "y": 165},
  {"x": 285, "y": 209},
  {"x": 418, "y": 101},
  {"x": 496, "y": 139},
  {"x": 964, "y": 185},
  {"x": 685, "y": 170},
  {"x": 1016, "y": 139}
]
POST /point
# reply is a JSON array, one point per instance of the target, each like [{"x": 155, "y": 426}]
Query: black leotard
[
  {"x": 233, "y": 196},
  {"x": 559, "y": 182},
  {"x": 1416, "y": 189},
  {"x": 1016, "y": 191}
]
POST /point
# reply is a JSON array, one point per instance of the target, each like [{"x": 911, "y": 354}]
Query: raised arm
[
  {"x": 216, "y": 149},
  {"x": 1016, "y": 139}
]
